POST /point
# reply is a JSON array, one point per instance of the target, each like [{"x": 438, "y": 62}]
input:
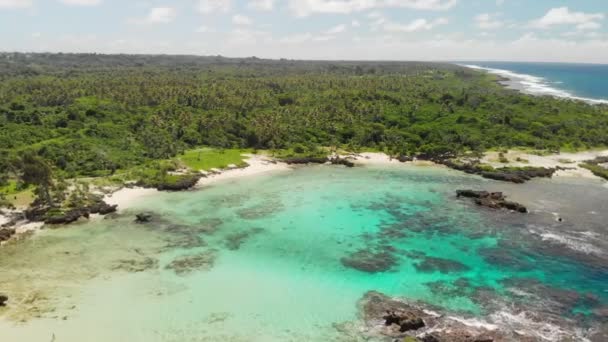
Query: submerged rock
[
  {"x": 433, "y": 264},
  {"x": 370, "y": 261},
  {"x": 136, "y": 265},
  {"x": 199, "y": 262},
  {"x": 235, "y": 240}
]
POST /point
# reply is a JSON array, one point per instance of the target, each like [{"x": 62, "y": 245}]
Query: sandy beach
[
  {"x": 256, "y": 164},
  {"x": 380, "y": 158},
  {"x": 569, "y": 161}
]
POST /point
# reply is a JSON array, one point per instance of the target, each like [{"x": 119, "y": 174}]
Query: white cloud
[
  {"x": 82, "y": 2},
  {"x": 416, "y": 25},
  {"x": 336, "y": 29},
  {"x": 304, "y": 8},
  {"x": 204, "y": 29},
  {"x": 239, "y": 19},
  {"x": 486, "y": 21},
  {"x": 10, "y": 4},
  {"x": 355, "y": 23},
  {"x": 210, "y": 6},
  {"x": 563, "y": 16},
  {"x": 161, "y": 15},
  {"x": 262, "y": 5}
]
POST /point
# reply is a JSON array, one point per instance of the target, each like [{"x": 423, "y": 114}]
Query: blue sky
[{"x": 518, "y": 30}]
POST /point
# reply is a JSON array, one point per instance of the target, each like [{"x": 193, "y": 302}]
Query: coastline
[
  {"x": 532, "y": 85},
  {"x": 566, "y": 163},
  {"x": 88, "y": 311}
]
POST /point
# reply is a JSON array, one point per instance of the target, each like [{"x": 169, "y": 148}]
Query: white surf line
[{"x": 534, "y": 85}]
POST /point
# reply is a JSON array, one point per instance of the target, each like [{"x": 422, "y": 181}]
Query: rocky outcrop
[
  {"x": 514, "y": 175},
  {"x": 493, "y": 200},
  {"x": 102, "y": 208},
  {"x": 404, "y": 159},
  {"x": 306, "y": 160},
  {"x": 59, "y": 217},
  {"x": 390, "y": 319},
  {"x": 55, "y": 215},
  {"x": 341, "y": 161},
  {"x": 6, "y": 233},
  {"x": 335, "y": 160},
  {"x": 180, "y": 184},
  {"x": 3, "y": 299}
]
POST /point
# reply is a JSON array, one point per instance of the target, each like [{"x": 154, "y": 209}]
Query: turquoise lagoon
[{"x": 286, "y": 257}]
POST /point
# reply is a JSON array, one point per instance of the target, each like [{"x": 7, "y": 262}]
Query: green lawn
[{"x": 209, "y": 158}]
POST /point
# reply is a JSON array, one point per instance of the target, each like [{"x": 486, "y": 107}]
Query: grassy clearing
[
  {"x": 209, "y": 158},
  {"x": 16, "y": 196}
]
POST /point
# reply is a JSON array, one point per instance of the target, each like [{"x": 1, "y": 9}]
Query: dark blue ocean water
[{"x": 585, "y": 81}]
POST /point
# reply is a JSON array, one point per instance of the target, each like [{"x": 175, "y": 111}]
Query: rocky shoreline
[{"x": 383, "y": 318}]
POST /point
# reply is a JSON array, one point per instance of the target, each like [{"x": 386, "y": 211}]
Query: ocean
[
  {"x": 587, "y": 82},
  {"x": 287, "y": 257}
]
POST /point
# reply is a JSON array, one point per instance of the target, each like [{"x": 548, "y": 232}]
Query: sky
[{"x": 467, "y": 30}]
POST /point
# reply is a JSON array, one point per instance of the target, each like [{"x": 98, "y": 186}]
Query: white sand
[
  {"x": 3, "y": 219},
  {"x": 373, "y": 158},
  {"x": 566, "y": 160},
  {"x": 379, "y": 158},
  {"x": 256, "y": 165},
  {"x": 125, "y": 197}
]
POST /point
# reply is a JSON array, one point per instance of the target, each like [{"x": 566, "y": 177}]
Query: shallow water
[{"x": 285, "y": 257}]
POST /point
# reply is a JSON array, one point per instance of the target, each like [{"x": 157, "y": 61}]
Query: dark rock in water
[
  {"x": 433, "y": 264},
  {"x": 493, "y": 200},
  {"x": 3, "y": 299},
  {"x": 6, "y": 233},
  {"x": 369, "y": 261},
  {"x": 144, "y": 217}
]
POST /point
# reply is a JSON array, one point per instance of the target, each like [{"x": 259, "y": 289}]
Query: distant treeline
[{"x": 90, "y": 114}]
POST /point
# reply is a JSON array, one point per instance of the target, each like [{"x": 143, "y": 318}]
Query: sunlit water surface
[{"x": 286, "y": 257}]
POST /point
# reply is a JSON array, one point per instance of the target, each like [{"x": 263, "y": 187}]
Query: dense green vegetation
[{"x": 93, "y": 115}]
